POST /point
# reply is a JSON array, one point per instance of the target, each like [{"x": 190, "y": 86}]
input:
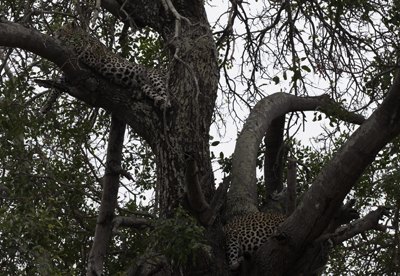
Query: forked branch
[{"x": 243, "y": 188}]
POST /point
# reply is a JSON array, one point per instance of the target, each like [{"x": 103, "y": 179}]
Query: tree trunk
[{"x": 179, "y": 138}]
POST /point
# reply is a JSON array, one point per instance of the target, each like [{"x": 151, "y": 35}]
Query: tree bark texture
[
  {"x": 180, "y": 133},
  {"x": 176, "y": 135},
  {"x": 291, "y": 187}
]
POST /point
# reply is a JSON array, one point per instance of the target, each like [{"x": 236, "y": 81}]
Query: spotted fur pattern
[
  {"x": 51, "y": 99},
  {"x": 113, "y": 67},
  {"x": 57, "y": 87},
  {"x": 248, "y": 233}
]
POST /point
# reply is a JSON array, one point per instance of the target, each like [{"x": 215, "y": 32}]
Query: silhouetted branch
[
  {"x": 291, "y": 187},
  {"x": 273, "y": 160},
  {"x": 370, "y": 221},
  {"x": 208, "y": 216},
  {"x": 121, "y": 221},
  {"x": 193, "y": 188},
  {"x": 109, "y": 198}
]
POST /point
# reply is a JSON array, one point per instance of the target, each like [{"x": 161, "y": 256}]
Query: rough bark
[
  {"x": 19, "y": 36},
  {"x": 345, "y": 215},
  {"x": 181, "y": 132},
  {"x": 295, "y": 236}
]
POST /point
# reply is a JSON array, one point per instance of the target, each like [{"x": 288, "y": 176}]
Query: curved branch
[
  {"x": 86, "y": 86},
  {"x": 242, "y": 196},
  {"x": 325, "y": 196},
  {"x": 16, "y": 35}
]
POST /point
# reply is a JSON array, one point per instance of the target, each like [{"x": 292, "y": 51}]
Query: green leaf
[
  {"x": 215, "y": 143},
  {"x": 305, "y": 68}
]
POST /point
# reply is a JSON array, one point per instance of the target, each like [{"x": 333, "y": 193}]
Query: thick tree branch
[
  {"x": 94, "y": 90},
  {"x": 343, "y": 216},
  {"x": 108, "y": 200},
  {"x": 331, "y": 186},
  {"x": 370, "y": 221},
  {"x": 148, "y": 264},
  {"x": 119, "y": 12},
  {"x": 326, "y": 241},
  {"x": 242, "y": 196},
  {"x": 18, "y": 36},
  {"x": 121, "y": 221},
  {"x": 273, "y": 160},
  {"x": 116, "y": 168}
]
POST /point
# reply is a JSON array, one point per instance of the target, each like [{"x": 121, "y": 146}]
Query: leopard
[
  {"x": 51, "y": 99},
  {"x": 113, "y": 67},
  {"x": 247, "y": 234},
  {"x": 57, "y": 87}
]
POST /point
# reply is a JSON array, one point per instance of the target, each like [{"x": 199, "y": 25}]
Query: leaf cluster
[{"x": 180, "y": 238}]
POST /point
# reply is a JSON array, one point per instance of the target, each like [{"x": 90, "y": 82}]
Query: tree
[{"x": 59, "y": 189}]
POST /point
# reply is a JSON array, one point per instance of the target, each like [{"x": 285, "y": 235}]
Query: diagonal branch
[
  {"x": 359, "y": 226},
  {"x": 87, "y": 86},
  {"x": 208, "y": 212},
  {"x": 18, "y": 36}
]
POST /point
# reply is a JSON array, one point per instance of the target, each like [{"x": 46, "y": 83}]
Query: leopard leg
[
  {"x": 55, "y": 93},
  {"x": 51, "y": 99}
]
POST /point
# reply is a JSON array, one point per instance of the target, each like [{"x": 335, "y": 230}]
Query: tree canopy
[{"x": 102, "y": 181}]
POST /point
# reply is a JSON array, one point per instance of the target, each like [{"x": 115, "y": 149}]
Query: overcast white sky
[{"x": 227, "y": 143}]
